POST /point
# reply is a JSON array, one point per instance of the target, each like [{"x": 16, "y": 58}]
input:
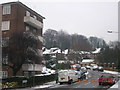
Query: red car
[{"x": 104, "y": 80}]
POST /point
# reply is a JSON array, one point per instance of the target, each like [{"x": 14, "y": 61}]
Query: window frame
[
  {"x": 5, "y": 25},
  {"x": 6, "y": 9}
]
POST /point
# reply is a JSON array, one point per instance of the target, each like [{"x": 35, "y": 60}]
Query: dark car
[
  {"x": 107, "y": 80},
  {"x": 81, "y": 75}
]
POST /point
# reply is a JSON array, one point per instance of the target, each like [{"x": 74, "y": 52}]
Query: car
[
  {"x": 88, "y": 67},
  {"x": 67, "y": 76},
  {"x": 81, "y": 75},
  {"x": 100, "y": 68},
  {"x": 83, "y": 69},
  {"x": 95, "y": 68},
  {"x": 107, "y": 80}
]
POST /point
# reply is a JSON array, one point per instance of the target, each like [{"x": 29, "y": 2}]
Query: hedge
[{"x": 31, "y": 81}]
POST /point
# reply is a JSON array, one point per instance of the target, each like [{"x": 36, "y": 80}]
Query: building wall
[
  {"x": 0, "y": 39},
  {"x": 17, "y": 20},
  {"x": 119, "y": 21},
  {"x": 17, "y": 24}
]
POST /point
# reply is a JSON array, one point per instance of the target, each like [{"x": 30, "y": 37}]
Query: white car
[{"x": 67, "y": 76}]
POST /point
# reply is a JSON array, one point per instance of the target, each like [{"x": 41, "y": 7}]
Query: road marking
[
  {"x": 94, "y": 86},
  {"x": 87, "y": 83}
]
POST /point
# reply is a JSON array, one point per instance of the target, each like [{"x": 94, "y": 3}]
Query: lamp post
[
  {"x": 118, "y": 41},
  {"x": 57, "y": 67},
  {"x": 30, "y": 61},
  {"x": 112, "y": 31}
]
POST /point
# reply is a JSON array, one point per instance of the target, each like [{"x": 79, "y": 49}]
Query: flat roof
[{"x": 23, "y": 5}]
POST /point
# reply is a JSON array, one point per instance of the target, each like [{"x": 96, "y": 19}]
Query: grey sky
[{"x": 86, "y": 18}]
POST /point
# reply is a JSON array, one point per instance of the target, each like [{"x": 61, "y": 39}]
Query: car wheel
[
  {"x": 100, "y": 83},
  {"x": 70, "y": 81},
  {"x": 61, "y": 83}
]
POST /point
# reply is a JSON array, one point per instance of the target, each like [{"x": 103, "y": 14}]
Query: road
[{"x": 91, "y": 82}]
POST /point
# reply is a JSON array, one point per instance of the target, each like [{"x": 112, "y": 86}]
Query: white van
[{"x": 68, "y": 76}]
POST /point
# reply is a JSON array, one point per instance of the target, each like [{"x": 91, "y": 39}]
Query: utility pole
[
  {"x": 117, "y": 43},
  {"x": 57, "y": 67}
]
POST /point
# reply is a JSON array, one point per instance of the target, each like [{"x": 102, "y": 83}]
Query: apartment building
[{"x": 17, "y": 17}]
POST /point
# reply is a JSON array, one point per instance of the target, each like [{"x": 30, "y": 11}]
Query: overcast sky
[{"x": 86, "y": 17}]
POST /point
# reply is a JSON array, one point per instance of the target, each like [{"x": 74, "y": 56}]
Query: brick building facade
[{"x": 17, "y": 17}]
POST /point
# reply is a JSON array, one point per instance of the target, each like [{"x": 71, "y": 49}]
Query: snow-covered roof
[
  {"x": 47, "y": 70},
  {"x": 57, "y": 50},
  {"x": 84, "y": 52},
  {"x": 54, "y": 51},
  {"x": 87, "y": 60},
  {"x": 66, "y": 51},
  {"x": 97, "y": 51},
  {"x": 46, "y": 51}
]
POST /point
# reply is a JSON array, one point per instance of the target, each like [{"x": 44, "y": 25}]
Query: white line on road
[{"x": 87, "y": 83}]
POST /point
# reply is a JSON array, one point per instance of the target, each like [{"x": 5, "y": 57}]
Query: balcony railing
[
  {"x": 33, "y": 22},
  {"x": 41, "y": 38},
  {"x": 40, "y": 52},
  {"x": 32, "y": 67}
]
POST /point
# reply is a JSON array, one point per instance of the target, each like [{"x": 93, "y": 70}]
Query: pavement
[
  {"x": 115, "y": 86},
  {"x": 45, "y": 85}
]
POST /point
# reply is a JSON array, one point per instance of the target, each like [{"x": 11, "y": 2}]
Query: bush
[
  {"x": 37, "y": 80},
  {"x": 10, "y": 85},
  {"x": 17, "y": 82}
]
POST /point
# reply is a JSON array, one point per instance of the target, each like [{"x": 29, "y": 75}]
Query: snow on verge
[
  {"x": 117, "y": 85},
  {"x": 111, "y": 72},
  {"x": 42, "y": 86}
]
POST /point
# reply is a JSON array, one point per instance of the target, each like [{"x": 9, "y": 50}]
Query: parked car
[
  {"x": 83, "y": 69},
  {"x": 95, "y": 68},
  {"x": 88, "y": 67},
  {"x": 107, "y": 80},
  {"x": 100, "y": 68},
  {"x": 67, "y": 76},
  {"x": 81, "y": 75}
]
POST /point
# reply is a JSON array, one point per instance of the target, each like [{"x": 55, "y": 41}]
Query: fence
[{"x": 22, "y": 82}]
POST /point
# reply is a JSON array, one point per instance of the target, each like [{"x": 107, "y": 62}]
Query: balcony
[
  {"x": 32, "y": 67},
  {"x": 41, "y": 39},
  {"x": 40, "y": 52},
  {"x": 33, "y": 22}
]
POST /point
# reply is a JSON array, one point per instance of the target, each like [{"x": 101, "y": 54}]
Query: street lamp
[
  {"x": 57, "y": 67},
  {"x": 118, "y": 40},
  {"x": 112, "y": 32}
]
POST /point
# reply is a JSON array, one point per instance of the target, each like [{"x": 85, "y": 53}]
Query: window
[
  {"x": 6, "y": 9},
  {"x": 4, "y": 74},
  {"x": 27, "y": 28},
  {"x": 5, "y": 42},
  {"x": 5, "y": 25},
  {"x": 27, "y": 13},
  {"x": 5, "y": 59},
  {"x": 34, "y": 30}
]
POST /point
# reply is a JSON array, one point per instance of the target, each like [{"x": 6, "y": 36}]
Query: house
[
  {"x": 17, "y": 17},
  {"x": 87, "y": 62}
]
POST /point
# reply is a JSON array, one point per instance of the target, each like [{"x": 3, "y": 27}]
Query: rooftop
[{"x": 23, "y": 5}]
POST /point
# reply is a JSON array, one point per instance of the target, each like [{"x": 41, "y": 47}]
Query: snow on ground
[
  {"x": 117, "y": 85},
  {"x": 42, "y": 86},
  {"x": 47, "y": 70},
  {"x": 111, "y": 72},
  {"x": 46, "y": 85}
]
